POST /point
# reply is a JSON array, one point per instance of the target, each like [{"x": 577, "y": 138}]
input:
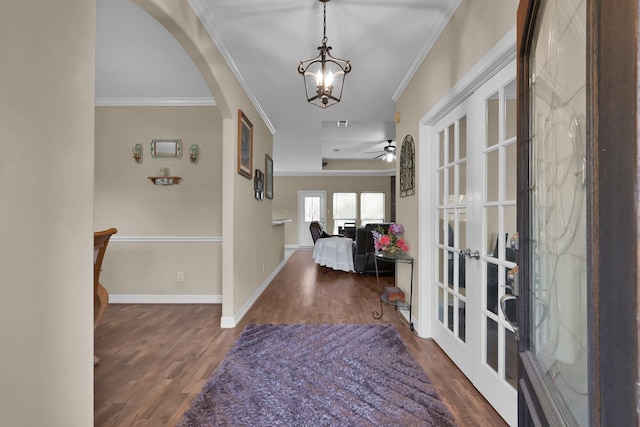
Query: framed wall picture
[
  {"x": 258, "y": 185},
  {"x": 268, "y": 181},
  {"x": 245, "y": 145}
]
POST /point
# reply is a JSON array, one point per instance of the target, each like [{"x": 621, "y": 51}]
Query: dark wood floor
[{"x": 155, "y": 358}]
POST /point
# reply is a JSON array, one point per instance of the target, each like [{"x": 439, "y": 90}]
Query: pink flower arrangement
[{"x": 391, "y": 242}]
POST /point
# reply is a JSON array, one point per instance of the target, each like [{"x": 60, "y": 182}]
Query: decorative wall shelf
[{"x": 165, "y": 180}]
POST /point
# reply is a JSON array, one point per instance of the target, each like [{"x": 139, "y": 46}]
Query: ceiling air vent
[{"x": 343, "y": 123}]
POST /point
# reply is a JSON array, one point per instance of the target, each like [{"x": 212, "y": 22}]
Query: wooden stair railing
[{"x": 100, "y": 294}]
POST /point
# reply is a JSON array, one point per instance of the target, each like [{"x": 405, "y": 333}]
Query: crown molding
[
  {"x": 435, "y": 30},
  {"x": 201, "y": 10},
  {"x": 154, "y": 102}
]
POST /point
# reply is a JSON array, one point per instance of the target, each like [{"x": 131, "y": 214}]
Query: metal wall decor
[
  {"x": 245, "y": 145},
  {"x": 407, "y": 167},
  {"x": 268, "y": 180}
]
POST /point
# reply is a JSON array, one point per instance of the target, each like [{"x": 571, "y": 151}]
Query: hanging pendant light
[{"x": 324, "y": 75}]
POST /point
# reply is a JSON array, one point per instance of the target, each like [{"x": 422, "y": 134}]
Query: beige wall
[
  {"x": 285, "y": 204},
  {"x": 473, "y": 30},
  {"x": 46, "y": 204},
  {"x": 248, "y": 252},
  {"x": 127, "y": 200},
  {"x": 258, "y": 245}
]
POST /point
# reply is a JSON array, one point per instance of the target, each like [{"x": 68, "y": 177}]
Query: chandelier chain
[{"x": 324, "y": 25}]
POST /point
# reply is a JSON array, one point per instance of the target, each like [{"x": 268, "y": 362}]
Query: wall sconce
[
  {"x": 137, "y": 153},
  {"x": 194, "y": 154}
]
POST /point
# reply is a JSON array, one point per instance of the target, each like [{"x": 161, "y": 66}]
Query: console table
[{"x": 399, "y": 305}]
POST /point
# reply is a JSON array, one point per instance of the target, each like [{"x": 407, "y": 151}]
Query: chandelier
[{"x": 324, "y": 75}]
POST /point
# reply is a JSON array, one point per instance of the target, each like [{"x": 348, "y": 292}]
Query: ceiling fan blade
[
  {"x": 378, "y": 156},
  {"x": 373, "y": 152}
]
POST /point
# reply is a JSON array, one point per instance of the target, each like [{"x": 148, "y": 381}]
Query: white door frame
[{"x": 303, "y": 227}]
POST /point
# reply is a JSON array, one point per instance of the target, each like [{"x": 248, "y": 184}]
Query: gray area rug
[{"x": 318, "y": 375}]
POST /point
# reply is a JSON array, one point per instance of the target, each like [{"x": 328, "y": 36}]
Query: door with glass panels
[
  {"x": 476, "y": 219},
  {"x": 555, "y": 341},
  {"x": 578, "y": 210},
  {"x": 496, "y": 367},
  {"x": 311, "y": 207},
  {"x": 453, "y": 293}
]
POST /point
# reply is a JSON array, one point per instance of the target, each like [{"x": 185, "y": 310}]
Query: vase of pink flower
[{"x": 390, "y": 243}]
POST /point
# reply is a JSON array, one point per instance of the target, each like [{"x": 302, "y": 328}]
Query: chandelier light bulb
[
  {"x": 329, "y": 79},
  {"x": 324, "y": 82}
]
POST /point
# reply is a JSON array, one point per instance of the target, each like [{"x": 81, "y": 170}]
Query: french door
[
  {"x": 311, "y": 207},
  {"x": 453, "y": 293},
  {"x": 476, "y": 215}
]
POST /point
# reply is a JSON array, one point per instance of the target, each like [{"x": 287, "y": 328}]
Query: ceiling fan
[{"x": 388, "y": 154}]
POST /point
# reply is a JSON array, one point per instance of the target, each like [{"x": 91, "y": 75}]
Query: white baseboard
[
  {"x": 165, "y": 299},
  {"x": 416, "y": 324},
  {"x": 290, "y": 249},
  {"x": 231, "y": 322},
  {"x": 227, "y": 322}
]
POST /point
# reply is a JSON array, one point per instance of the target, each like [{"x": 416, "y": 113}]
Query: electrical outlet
[{"x": 180, "y": 276}]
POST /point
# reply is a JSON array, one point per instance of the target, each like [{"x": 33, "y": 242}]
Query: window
[
  {"x": 344, "y": 209},
  {"x": 371, "y": 208},
  {"x": 311, "y": 209}
]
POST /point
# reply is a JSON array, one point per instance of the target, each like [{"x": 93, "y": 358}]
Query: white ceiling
[{"x": 139, "y": 63}]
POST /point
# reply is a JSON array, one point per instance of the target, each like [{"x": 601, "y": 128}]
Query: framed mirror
[{"x": 166, "y": 148}]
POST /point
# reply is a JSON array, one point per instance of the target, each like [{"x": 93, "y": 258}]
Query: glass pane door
[
  {"x": 311, "y": 207},
  {"x": 452, "y": 210},
  {"x": 496, "y": 363},
  {"x": 499, "y": 213},
  {"x": 451, "y": 222}
]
